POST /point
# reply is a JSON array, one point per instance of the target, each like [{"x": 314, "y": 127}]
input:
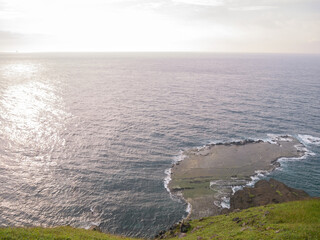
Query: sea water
[{"x": 87, "y": 139}]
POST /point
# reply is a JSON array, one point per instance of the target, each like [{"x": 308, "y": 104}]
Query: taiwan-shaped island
[{"x": 206, "y": 176}]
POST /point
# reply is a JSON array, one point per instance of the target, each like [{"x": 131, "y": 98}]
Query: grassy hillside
[
  {"x": 292, "y": 220},
  {"x": 58, "y": 233}
]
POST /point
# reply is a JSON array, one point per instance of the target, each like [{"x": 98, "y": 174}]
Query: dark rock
[
  {"x": 237, "y": 220},
  {"x": 199, "y": 238},
  {"x": 160, "y": 235},
  {"x": 178, "y": 189},
  {"x": 184, "y": 227},
  {"x": 95, "y": 228},
  {"x": 174, "y": 226},
  {"x": 265, "y": 192}
]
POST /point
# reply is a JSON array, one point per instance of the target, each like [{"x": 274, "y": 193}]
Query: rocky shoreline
[
  {"x": 263, "y": 193},
  {"x": 207, "y": 175}
]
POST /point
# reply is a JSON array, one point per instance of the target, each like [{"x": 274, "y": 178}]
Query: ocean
[{"x": 87, "y": 138}]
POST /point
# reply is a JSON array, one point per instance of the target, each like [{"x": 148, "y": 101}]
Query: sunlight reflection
[
  {"x": 33, "y": 116},
  {"x": 24, "y": 70}
]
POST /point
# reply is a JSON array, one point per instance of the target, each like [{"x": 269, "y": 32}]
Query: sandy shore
[{"x": 207, "y": 175}]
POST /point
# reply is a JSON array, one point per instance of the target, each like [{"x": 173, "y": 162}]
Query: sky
[{"x": 273, "y": 26}]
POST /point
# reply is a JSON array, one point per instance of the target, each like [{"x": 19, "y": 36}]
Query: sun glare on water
[{"x": 31, "y": 111}]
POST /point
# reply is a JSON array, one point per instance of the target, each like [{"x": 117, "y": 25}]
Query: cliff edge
[{"x": 265, "y": 192}]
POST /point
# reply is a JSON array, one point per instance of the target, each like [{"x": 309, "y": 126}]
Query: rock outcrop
[{"x": 265, "y": 192}]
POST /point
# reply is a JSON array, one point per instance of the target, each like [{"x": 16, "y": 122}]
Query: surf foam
[{"x": 309, "y": 140}]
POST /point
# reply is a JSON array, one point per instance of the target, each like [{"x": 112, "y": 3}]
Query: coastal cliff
[{"x": 265, "y": 192}]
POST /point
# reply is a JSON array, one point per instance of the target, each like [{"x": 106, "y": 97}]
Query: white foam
[
  {"x": 225, "y": 203},
  {"x": 91, "y": 224},
  {"x": 301, "y": 147},
  {"x": 167, "y": 179},
  {"x": 222, "y": 189},
  {"x": 168, "y": 173},
  {"x": 91, "y": 209},
  {"x": 271, "y": 138},
  {"x": 95, "y": 224},
  {"x": 259, "y": 174},
  {"x": 309, "y": 140},
  {"x": 216, "y": 182},
  {"x": 275, "y": 138},
  {"x": 189, "y": 208},
  {"x": 292, "y": 159},
  {"x": 303, "y": 139},
  {"x": 236, "y": 188},
  {"x": 217, "y": 203}
]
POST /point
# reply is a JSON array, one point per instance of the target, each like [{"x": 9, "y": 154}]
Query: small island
[{"x": 206, "y": 176}]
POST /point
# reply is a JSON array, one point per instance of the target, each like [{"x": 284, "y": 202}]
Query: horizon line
[{"x": 153, "y": 52}]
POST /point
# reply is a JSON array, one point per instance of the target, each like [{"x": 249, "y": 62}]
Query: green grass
[
  {"x": 251, "y": 195},
  {"x": 57, "y": 233},
  {"x": 292, "y": 220}
]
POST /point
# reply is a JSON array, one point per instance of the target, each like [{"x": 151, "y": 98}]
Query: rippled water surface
[{"x": 86, "y": 138}]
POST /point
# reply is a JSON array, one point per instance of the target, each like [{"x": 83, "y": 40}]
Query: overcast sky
[{"x": 291, "y": 26}]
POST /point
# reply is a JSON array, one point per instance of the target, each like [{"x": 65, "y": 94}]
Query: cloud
[
  {"x": 6, "y": 36},
  {"x": 252, "y": 8},
  {"x": 12, "y": 41},
  {"x": 212, "y": 3},
  {"x": 8, "y": 15},
  {"x": 215, "y": 25}
]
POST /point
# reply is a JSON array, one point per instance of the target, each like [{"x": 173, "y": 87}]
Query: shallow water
[{"x": 86, "y": 138}]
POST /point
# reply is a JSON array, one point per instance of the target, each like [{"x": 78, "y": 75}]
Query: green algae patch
[
  {"x": 193, "y": 187},
  {"x": 292, "y": 220},
  {"x": 57, "y": 233},
  {"x": 280, "y": 194}
]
